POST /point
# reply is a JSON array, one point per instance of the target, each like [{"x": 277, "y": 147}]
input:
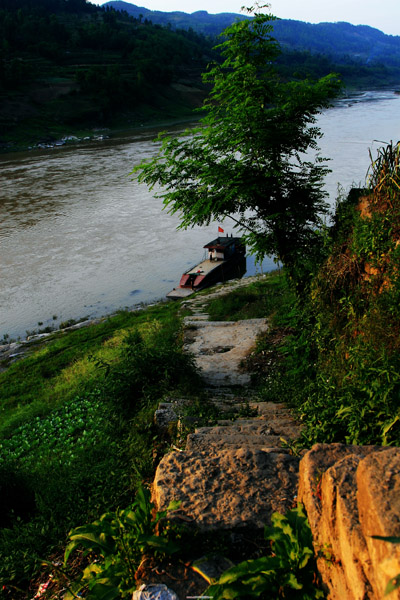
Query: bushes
[
  {"x": 148, "y": 368},
  {"x": 290, "y": 572},
  {"x": 118, "y": 541},
  {"x": 339, "y": 363},
  {"x": 342, "y": 362}
]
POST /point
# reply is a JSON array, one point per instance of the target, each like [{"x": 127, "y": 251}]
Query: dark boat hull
[{"x": 223, "y": 270}]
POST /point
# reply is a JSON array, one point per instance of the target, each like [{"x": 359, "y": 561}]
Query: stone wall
[{"x": 352, "y": 493}]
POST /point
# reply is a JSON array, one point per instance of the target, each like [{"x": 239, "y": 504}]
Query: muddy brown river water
[{"x": 79, "y": 238}]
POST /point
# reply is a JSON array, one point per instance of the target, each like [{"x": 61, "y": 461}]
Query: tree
[{"x": 246, "y": 160}]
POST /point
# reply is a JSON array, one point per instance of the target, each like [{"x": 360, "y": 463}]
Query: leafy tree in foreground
[{"x": 246, "y": 160}]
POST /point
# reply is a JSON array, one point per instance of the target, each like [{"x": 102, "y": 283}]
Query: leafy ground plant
[
  {"x": 77, "y": 416},
  {"x": 289, "y": 572},
  {"x": 118, "y": 541}
]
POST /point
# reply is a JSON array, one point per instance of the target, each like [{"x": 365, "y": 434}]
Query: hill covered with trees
[
  {"x": 66, "y": 66},
  {"x": 338, "y": 41},
  {"x": 363, "y": 55}
]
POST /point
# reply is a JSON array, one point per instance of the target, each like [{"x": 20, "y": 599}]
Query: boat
[{"x": 225, "y": 258}]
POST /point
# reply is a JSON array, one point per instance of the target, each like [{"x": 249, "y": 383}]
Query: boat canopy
[{"x": 222, "y": 243}]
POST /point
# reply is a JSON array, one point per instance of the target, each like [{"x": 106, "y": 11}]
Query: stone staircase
[
  {"x": 231, "y": 477},
  {"x": 236, "y": 473}
]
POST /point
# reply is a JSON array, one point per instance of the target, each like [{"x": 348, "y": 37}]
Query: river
[{"x": 79, "y": 238}]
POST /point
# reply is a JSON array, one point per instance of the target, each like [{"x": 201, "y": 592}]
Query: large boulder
[{"x": 351, "y": 493}]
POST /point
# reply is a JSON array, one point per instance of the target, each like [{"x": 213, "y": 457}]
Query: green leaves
[
  {"x": 118, "y": 541},
  {"x": 288, "y": 573},
  {"x": 64, "y": 433},
  {"x": 93, "y": 538},
  {"x": 245, "y": 160}
]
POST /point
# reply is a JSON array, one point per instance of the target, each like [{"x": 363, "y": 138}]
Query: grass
[
  {"x": 77, "y": 434},
  {"x": 258, "y": 300},
  {"x": 64, "y": 366}
]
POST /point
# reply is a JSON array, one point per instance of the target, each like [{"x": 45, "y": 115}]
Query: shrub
[
  {"x": 119, "y": 540},
  {"x": 289, "y": 572},
  {"x": 149, "y": 367}
]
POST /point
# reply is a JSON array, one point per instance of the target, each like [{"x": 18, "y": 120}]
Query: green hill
[
  {"x": 68, "y": 66},
  {"x": 341, "y": 42}
]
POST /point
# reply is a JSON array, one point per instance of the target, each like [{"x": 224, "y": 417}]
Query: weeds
[
  {"x": 289, "y": 572},
  {"x": 257, "y": 300},
  {"x": 341, "y": 359},
  {"x": 118, "y": 541},
  {"x": 77, "y": 435}
]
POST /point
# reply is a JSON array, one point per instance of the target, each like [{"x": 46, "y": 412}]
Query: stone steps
[
  {"x": 197, "y": 442},
  {"x": 228, "y": 488},
  {"x": 236, "y": 473},
  {"x": 219, "y": 347}
]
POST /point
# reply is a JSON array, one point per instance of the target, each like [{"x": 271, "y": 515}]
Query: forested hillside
[
  {"x": 364, "y": 56},
  {"x": 200, "y": 21},
  {"x": 340, "y": 41},
  {"x": 70, "y": 65}
]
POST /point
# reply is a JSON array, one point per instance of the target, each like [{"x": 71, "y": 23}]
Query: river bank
[
  {"x": 131, "y": 126},
  {"x": 78, "y": 136},
  {"x": 12, "y": 351},
  {"x": 85, "y": 396}
]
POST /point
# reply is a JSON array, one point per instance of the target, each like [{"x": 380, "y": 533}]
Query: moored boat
[{"x": 224, "y": 259}]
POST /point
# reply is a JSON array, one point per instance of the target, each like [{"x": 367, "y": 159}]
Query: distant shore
[
  {"x": 87, "y": 135},
  {"x": 93, "y": 134}
]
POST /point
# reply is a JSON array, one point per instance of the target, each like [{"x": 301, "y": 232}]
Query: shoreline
[
  {"x": 98, "y": 132},
  {"x": 94, "y": 134},
  {"x": 13, "y": 350}
]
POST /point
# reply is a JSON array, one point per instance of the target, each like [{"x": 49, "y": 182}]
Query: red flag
[{"x": 220, "y": 230}]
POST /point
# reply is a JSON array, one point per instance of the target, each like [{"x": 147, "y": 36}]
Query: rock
[
  {"x": 219, "y": 348},
  {"x": 279, "y": 419},
  {"x": 165, "y": 416},
  {"x": 209, "y": 442},
  {"x": 378, "y": 499},
  {"x": 250, "y": 433},
  {"x": 351, "y": 493},
  {"x": 226, "y": 489}
]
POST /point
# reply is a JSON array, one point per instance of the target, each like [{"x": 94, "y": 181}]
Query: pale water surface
[{"x": 79, "y": 238}]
